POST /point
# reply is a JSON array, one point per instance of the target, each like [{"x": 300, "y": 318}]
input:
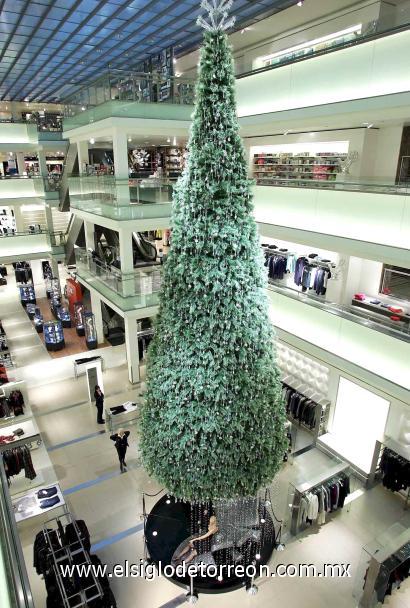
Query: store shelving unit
[
  {"x": 64, "y": 315},
  {"x": 274, "y": 167},
  {"x": 54, "y": 335}
]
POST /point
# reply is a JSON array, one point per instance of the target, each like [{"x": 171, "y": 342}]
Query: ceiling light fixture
[
  {"x": 174, "y": 60},
  {"x": 370, "y": 125},
  {"x": 300, "y": 3},
  {"x": 92, "y": 141},
  {"x": 129, "y": 139},
  {"x": 174, "y": 142},
  {"x": 169, "y": 140},
  {"x": 83, "y": 108}
]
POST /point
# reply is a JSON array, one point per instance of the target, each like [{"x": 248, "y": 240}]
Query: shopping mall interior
[{"x": 104, "y": 109}]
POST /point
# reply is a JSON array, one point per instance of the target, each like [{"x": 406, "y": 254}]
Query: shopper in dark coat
[
  {"x": 99, "y": 404},
  {"x": 121, "y": 445}
]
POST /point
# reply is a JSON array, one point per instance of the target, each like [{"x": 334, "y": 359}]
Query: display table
[
  {"x": 367, "y": 304},
  {"x": 125, "y": 413},
  {"x": 38, "y": 501},
  {"x": 30, "y": 429}
]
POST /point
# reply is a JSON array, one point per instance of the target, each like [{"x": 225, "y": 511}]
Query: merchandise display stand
[
  {"x": 74, "y": 552},
  {"x": 90, "y": 330},
  {"x": 281, "y": 167},
  {"x": 379, "y": 570},
  {"x": 322, "y": 406},
  {"x": 53, "y": 335},
  {"x": 300, "y": 490},
  {"x": 31, "y": 505},
  {"x": 401, "y": 452},
  {"x": 80, "y": 365},
  {"x": 5, "y": 391},
  {"x": 79, "y": 310},
  {"x": 31, "y": 434},
  {"x": 126, "y": 416},
  {"x": 27, "y": 294}
]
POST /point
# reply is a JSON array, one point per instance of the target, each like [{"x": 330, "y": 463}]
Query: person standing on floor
[
  {"x": 121, "y": 444},
  {"x": 99, "y": 404}
]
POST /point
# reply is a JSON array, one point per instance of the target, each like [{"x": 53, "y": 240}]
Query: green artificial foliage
[{"x": 212, "y": 425}]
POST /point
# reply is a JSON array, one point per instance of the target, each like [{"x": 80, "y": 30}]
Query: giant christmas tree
[{"x": 213, "y": 422}]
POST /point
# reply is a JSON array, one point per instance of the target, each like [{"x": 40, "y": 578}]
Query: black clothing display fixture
[
  {"x": 395, "y": 471},
  {"x": 99, "y": 404},
  {"x": 17, "y": 459},
  {"x": 121, "y": 445},
  {"x": 90, "y": 330}
]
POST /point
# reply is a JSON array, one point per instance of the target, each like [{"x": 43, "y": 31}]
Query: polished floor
[{"x": 84, "y": 462}]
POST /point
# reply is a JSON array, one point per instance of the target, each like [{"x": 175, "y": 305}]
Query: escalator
[
  {"x": 107, "y": 244},
  {"x": 75, "y": 236},
  {"x": 70, "y": 166},
  {"x": 144, "y": 250}
]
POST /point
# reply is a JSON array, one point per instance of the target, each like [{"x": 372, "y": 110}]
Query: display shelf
[
  {"x": 64, "y": 316},
  {"x": 38, "y": 321},
  {"x": 27, "y": 294},
  {"x": 5, "y": 391},
  {"x": 90, "y": 331},
  {"x": 79, "y": 310},
  {"x": 267, "y": 167},
  {"x": 54, "y": 335}
]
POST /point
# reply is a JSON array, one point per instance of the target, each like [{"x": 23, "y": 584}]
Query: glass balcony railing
[
  {"x": 141, "y": 286},
  {"x": 124, "y": 199},
  {"x": 53, "y": 239},
  {"x": 363, "y": 317},
  {"x": 128, "y": 86},
  {"x": 340, "y": 182},
  {"x": 336, "y": 41}
]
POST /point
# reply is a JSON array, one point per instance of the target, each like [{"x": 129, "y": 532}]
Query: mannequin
[{"x": 199, "y": 545}]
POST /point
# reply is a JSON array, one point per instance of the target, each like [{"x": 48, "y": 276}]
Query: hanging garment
[{"x": 395, "y": 470}]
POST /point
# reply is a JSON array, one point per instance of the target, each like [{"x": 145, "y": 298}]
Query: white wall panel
[
  {"x": 372, "y": 350},
  {"x": 378, "y": 67},
  {"x": 370, "y": 217}
]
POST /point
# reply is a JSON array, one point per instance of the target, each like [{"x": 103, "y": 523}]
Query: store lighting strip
[{"x": 350, "y": 30}]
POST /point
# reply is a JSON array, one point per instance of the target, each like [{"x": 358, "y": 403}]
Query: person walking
[
  {"x": 121, "y": 444},
  {"x": 99, "y": 404}
]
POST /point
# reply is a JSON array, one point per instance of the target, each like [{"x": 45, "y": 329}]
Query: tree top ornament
[{"x": 218, "y": 15}]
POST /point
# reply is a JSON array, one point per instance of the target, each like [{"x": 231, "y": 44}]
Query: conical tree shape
[{"x": 213, "y": 422}]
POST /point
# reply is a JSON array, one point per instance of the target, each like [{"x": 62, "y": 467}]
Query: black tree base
[{"x": 169, "y": 527}]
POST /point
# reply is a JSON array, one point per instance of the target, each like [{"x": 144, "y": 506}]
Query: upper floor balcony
[
  {"x": 123, "y": 94},
  {"x": 35, "y": 244},
  {"x": 368, "y": 212},
  {"x": 365, "y": 67},
  {"x": 14, "y": 188},
  {"x": 30, "y": 131},
  {"x": 128, "y": 290},
  {"x": 122, "y": 199}
]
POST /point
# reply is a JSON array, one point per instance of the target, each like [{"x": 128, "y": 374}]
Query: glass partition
[
  {"x": 143, "y": 284},
  {"x": 108, "y": 196},
  {"x": 341, "y": 182},
  {"x": 123, "y": 85}
]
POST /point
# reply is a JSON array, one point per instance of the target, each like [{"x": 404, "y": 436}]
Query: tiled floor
[{"x": 85, "y": 463}]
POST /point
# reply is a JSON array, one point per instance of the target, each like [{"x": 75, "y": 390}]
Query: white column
[
  {"x": 50, "y": 221},
  {"x": 54, "y": 267},
  {"x": 42, "y": 163},
  {"x": 18, "y": 216},
  {"x": 21, "y": 167},
  {"x": 83, "y": 157},
  {"x": 131, "y": 344},
  {"x": 127, "y": 261},
  {"x": 89, "y": 235},
  {"x": 96, "y": 309},
  {"x": 120, "y": 150}
]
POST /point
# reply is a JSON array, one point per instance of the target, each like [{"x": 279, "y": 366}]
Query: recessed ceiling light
[
  {"x": 300, "y": 3},
  {"x": 83, "y": 108},
  {"x": 169, "y": 140},
  {"x": 92, "y": 140},
  {"x": 129, "y": 139},
  {"x": 174, "y": 60}
]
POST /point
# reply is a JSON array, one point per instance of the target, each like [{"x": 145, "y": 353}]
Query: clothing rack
[
  {"x": 384, "y": 560},
  {"x": 74, "y": 553},
  {"x": 300, "y": 490},
  {"x": 284, "y": 254},
  {"x": 401, "y": 453},
  {"x": 322, "y": 405}
]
